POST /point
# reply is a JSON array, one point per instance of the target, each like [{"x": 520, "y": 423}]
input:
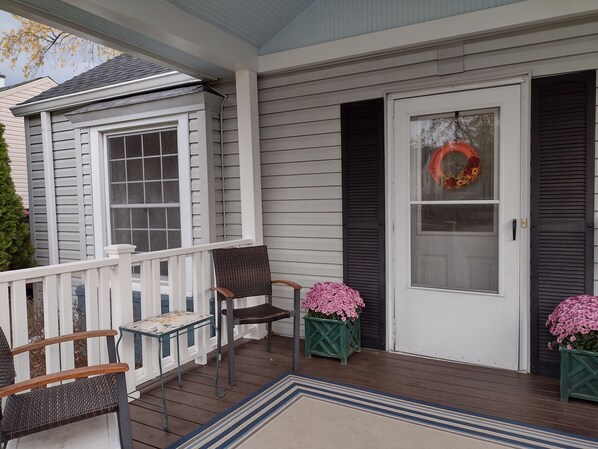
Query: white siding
[
  {"x": 300, "y": 131},
  {"x": 15, "y": 131}
]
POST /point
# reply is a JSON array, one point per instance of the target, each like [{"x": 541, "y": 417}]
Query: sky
[{"x": 15, "y": 75}]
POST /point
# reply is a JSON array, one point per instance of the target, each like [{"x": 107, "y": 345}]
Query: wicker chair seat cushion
[
  {"x": 54, "y": 406},
  {"x": 264, "y": 313}
]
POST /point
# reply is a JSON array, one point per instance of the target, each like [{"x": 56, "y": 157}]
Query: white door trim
[{"x": 524, "y": 325}]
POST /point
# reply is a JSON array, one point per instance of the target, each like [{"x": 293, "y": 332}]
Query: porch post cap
[{"x": 115, "y": 250}]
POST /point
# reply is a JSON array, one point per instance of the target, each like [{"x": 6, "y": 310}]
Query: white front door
[{"x": 456, "y": 176}]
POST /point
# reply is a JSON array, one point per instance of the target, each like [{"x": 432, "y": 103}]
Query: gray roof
[{"x": 115, "y": 71}]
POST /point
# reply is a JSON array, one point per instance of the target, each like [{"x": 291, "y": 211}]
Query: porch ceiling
[{"x": 213, "y": 38}]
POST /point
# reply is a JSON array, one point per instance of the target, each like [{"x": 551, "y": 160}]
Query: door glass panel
[{"x": 454, "y": 200}]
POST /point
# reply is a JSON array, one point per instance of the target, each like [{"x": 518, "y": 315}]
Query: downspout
[{"x": 222, "y": 177}]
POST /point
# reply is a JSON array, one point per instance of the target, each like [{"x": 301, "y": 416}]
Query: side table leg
[
  {"x": 178, "y": 358},
  {"x": 164, "y": 409}
]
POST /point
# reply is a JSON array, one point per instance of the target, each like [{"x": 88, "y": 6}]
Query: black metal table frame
[{"x": 166, "y": 337}]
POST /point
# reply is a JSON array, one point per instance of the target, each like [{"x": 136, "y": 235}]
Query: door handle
[{"x": 514, "y": 225}]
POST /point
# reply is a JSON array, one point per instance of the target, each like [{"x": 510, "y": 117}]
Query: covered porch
[{"x": 281, "y": 180}]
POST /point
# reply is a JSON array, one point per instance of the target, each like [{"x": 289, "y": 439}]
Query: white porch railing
[{"x": 112, "y": 291}]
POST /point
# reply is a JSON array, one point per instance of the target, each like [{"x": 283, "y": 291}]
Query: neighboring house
[
  {"x": 120, "y": 154},
  {"x": 14, "y": 134},
  {"x": 334, "y": 141}
]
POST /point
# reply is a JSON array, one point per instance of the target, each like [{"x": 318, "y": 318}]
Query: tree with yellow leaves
[{"x": 42, "y": 43}]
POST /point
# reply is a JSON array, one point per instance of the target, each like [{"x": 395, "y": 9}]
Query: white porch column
[{"x": 249, "y": 156}]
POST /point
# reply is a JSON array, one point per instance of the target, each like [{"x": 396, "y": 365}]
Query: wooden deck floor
[{"x": 515, "y": 396}]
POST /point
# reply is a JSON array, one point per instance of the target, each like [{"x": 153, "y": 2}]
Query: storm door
[{"x": 456, "y": 189}]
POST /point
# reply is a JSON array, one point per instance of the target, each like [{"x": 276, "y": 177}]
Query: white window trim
[{"x": 99, "y": 174}]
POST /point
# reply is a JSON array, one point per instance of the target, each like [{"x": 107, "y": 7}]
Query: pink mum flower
[{"x": 333, "y": 300}]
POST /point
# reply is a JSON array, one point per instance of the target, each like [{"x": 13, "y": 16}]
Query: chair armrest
[
  {"x": 76, "y": 373},
  {"x": 223, "y": 291},
  {"x": 70, "y": 337},
  {"x": 291, "y": 284}
]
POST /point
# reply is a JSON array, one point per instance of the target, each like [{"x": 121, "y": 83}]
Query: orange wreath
[{"x": 467, "y": 175}]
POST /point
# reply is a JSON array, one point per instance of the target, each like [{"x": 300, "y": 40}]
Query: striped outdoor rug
[{"x": 297, "y": 411}]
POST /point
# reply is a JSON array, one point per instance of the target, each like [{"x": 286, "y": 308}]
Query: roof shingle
[{"x": 117, "y": 70}]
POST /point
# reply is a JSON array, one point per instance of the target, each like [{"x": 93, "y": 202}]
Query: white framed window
[
  {"x": 141, "y": 184},
  {"x": 143, "y": 177}
]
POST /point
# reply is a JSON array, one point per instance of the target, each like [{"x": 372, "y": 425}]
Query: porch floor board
[{"x": 505, "y": 394}]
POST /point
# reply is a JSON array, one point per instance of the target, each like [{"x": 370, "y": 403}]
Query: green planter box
[
  {"x": 332, "y": 338},
  {"x": 579, "y": 374}
]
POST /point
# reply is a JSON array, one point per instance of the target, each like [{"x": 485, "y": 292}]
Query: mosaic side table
[{"x": 163, "y": 328}]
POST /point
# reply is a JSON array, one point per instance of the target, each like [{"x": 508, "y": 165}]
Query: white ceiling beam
[
  {"x": 158, "y": 20},
  {"x": 517, "y": 15}
]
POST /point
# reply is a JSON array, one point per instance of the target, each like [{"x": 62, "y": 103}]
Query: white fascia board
[
  {"x": 517, "y": 15},
  {"x": 163, "y": 80},
  {"x": 165, "y": 23}
]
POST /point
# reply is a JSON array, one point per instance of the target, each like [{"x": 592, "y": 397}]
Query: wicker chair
[
  {"x": 245, "y": 272},
  {"x": 54, "y": 406}
]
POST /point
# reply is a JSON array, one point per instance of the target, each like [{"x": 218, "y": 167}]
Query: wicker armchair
[
  {"x": 245, "y": 272},
  {"x": 42, "y": 409}
]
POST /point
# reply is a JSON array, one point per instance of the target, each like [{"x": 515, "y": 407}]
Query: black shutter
[
  {"x": 362, "y": 129},
  {"x": 562, "y": 208}
]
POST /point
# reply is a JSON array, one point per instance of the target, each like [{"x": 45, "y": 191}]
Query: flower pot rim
[
  {"x": 563, "y": 348},
  {"x": 329, "y": 320}
]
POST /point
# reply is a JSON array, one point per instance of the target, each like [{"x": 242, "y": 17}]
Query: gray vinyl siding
[
  {"x": 300, "y": 131},
  {"x": 66, "y": 175},
  {"x": 37, "y": 200},
  {"x": 87, "y": 198}
]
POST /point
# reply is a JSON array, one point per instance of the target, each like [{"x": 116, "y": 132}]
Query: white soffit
[{"x": 514, "y": 16}]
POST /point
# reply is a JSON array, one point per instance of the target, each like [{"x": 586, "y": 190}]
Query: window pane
[
  {"x": 454, "y": 156},
  {"x": 174, "y": 239},
  {"x": 152, "y": 168},
  {"x": 157, "y": 218},
  {"x": 139, "y": 218},
  {"x": 117, "y": 171},
  {"x": 121, "y": 218},
  {"x": 460, "y": 253},
  {"x": 157, "y": 240},
  {"x": 153, "y": 192},
  {"x": 174, "y": 218},
  {"x": 169, "y": 143},
  {"x": 171, "y": 191},
  {"x": 151, "y": 144},
  {"x": 133, "y": 146},
  {"x": 134, "y": 170},
  {"x": 116, "y": 148},
  {"x": 140, "y": 240},
  {"x": 135, "y": 193},
  {"x": 119, "y": 194},
  {"x": 144, "y": 170},
  {"x": 170, "y": 167},
  {"x": 122, "y": 236}
]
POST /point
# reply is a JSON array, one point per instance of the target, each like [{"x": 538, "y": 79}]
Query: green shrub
[{"x": 16, "y": 250}]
